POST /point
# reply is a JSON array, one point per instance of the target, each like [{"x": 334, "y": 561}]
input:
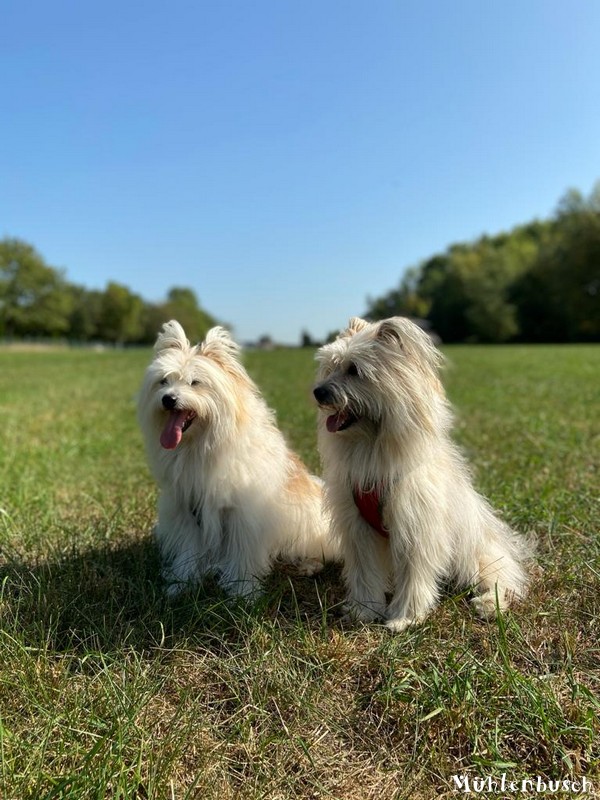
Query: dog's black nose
[
  {"x": 169, "y": 401},
  {"x": 322, "y": 395}
]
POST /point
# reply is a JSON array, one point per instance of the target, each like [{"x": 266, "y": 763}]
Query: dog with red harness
[{"x": 399, "y": 491}]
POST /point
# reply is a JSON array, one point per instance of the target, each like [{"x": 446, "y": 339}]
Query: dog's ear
[
  {"x": 219, "y": 345},
  {"x": 417, "y": 344},
  {"x": 355, "y": 325},
  {"x": 173, "y": 336},
  {"x": 390, "y": 332}
]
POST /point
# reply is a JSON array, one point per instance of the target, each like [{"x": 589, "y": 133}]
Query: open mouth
[
  {"x": 341, "y": 421},
  {"x": 177, "y": 424}
]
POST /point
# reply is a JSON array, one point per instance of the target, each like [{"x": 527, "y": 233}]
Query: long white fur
[
  {"x": 232, "y": 495},
  {"x": 439, "y": 527}
]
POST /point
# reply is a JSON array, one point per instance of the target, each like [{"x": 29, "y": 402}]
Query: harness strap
[{"x": 370, "y": 507}]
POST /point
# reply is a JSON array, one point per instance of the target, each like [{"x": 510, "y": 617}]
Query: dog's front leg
[
  {"x": 420, "y": 555},
  {"x": 365, "y": 571},
  {"x": 178, "y": 537},
  {"x": 182, "y": 538},
  {"x": 415, "y": 591},
  {"x": 244, "y": 558}
]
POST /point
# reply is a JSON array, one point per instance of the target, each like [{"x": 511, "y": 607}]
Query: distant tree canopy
[
  {"x": 539, "y": 282},
  {"x": 33, "y": 296},
  {"x": 36, "y": 300}
]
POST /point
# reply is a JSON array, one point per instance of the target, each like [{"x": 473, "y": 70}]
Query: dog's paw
[
  {"x": 485, "y": 605},
  {"x": 307, "y": 567},
  {"x": 361, "y": 612},
  {"x": 249, "y": 589},
  {"x": 399, "y": 624},
  {"x": 175, "y": 588}
]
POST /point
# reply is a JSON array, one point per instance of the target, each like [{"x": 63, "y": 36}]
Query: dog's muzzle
[
  {"x": 327, "y": 398},
  {"x": 169, "y": 401},
  {"x": 323, "y": 395}
]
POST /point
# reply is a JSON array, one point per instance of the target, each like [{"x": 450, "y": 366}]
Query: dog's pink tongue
[
  {"x": 173, "y": 430},
  {"x": 335, "y": 421}
]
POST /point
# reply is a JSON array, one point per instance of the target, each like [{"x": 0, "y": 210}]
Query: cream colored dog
[
  {"x": 232, "y": 495},
  {"x": 399, "y": 490}
]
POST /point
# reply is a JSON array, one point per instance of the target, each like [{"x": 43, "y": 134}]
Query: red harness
[{"x": 370, "y": 507}]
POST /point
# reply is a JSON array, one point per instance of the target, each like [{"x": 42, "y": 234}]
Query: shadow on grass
[{"x": 112, "y": 598}]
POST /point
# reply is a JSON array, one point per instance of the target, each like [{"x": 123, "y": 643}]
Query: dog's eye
[
  {"x": 194, "y": 383},
  {"x": 352, "y": 369},
  {"x": 164, "y": 382}
]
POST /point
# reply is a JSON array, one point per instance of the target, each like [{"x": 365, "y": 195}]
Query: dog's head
[
  {"x": 379, "y": 376},
  {"x": 189, "y": 391}
]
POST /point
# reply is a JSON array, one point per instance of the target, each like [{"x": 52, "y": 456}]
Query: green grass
[{"x": 108, "y": 690}]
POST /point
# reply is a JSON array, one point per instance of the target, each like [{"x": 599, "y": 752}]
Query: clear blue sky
[{"x": 287, "y": 159}]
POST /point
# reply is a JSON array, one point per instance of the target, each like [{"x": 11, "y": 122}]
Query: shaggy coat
[
  {"x": 400, "y": 492},
  {"x": 232, "y": 495}
]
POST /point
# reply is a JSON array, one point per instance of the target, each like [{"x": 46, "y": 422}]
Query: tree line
[
  {"x": 37, "y": 301},
  {"x": 539, "y": 282}
]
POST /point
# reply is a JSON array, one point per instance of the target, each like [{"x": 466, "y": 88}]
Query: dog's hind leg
[
  {"x": 500, "y": 579},
  {"x": 497, "y": 564}
]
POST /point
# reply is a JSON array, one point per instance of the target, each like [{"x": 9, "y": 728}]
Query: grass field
[{"x": 109, "y": 690}]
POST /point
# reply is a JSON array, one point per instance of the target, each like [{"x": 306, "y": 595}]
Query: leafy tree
[
  {"x": 84, "y": 320},
  {"x": 575, "y": 265},
  {"x": 491, "y": 314},
  {"x": 182, "y": 305},
  {"x": 120, "y": 318},
  {"x": 442, "y": 285},
  {"x": 538, "y": 282},
  {"x": 34, "y": 300},
  {"x": 559, "y": 298},
  {"x": 306, "y": 340},
  {"x": 405, "y": 301}
]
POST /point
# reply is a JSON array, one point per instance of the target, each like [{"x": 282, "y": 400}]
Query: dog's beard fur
[
  {"x": 384, "y": 427},
  {"x": 232, "y": 496}
]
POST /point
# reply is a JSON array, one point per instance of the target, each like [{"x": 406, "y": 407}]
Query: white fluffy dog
[
  {"x": 399, "y": 490},
  {"x": 232, "y": 495}
]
